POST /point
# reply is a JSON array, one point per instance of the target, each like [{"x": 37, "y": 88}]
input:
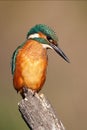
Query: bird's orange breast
[{"x": 30, "y": 68}]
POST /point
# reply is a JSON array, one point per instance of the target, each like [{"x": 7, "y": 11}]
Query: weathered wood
[{"x": 38, "y": 113}]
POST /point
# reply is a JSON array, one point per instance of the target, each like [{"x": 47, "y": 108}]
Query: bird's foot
[{"x": 24, "y": 92}]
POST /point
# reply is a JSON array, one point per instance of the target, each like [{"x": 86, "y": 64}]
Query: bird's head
[{"x": 47, "y": 37}]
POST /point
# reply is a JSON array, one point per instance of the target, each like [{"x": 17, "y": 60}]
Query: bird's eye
[{"x": 50, "y": 39}]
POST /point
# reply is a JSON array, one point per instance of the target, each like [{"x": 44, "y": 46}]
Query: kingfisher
[{"x": 30, "y": 60}]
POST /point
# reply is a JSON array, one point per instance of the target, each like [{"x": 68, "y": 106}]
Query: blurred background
[{"x": 66, "y": 84}]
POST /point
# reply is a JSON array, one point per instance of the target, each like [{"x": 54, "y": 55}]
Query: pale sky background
[{"x": 66, "y": 84}]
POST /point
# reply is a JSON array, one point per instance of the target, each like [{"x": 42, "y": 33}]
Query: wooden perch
[{"x": 38, "y": 113}]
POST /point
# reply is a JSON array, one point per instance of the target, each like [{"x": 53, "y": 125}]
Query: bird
[{"x": 29, "y": 61}]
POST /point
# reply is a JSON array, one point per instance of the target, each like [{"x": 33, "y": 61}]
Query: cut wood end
[{"x": 37, "y": 112}]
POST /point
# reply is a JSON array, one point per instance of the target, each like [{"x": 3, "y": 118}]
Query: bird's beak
[{"x": 60, "y": 52}]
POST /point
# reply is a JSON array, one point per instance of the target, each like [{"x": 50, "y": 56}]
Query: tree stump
[{"x": 38, "y": 113}]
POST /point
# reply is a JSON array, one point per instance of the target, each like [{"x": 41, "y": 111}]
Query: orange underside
[{"x": 31, "y": 64}]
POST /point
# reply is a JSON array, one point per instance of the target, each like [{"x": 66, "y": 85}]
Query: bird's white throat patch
[
  {"x": 35, "y": 35},
  {"x": 47, "y": 46}
]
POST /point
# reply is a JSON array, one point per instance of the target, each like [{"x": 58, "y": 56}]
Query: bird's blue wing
[{"x": 13, "y": 61}]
